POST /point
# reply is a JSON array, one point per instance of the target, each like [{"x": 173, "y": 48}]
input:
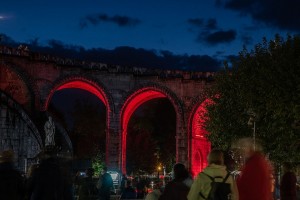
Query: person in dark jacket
[
  {"x": 129, "y": 192},
  {"x": 11, "y": 180},
  {"x": 87, "y": 186},
  {"x": 179, "y": 187},
  {"x": 105, "y": 185},
  {"x": 48, "y": 181},
  {"x": 288, "y": 183}
]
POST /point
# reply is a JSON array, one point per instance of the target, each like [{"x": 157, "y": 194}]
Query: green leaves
[{"x": 266, "y": 80}]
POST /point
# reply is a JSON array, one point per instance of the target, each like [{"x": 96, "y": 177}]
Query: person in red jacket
[
  {"x": 288, "y": 183},
  {"x": 255, "y": 179}
]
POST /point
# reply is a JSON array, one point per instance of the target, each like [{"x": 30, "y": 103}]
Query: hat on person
[{"x": 7, "y": 156}]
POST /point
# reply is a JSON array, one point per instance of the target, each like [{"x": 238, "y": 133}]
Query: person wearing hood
[
  {"x": 202, "y": 184},
  {"x": 179, "y": 187},
  {"x": 11, "y": 181}
]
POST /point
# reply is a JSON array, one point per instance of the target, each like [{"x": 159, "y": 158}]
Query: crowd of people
[{"x": 51, "y": 179}]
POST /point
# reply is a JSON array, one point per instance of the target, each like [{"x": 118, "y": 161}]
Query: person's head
[
  {"x": 89, "y": 172},
  {"x": 31, "y": 170},
  {"x": 104, "y": 170},
  {"x": 128, "y": 183},
  {"x": 180, "y": 171},
  {"x": 7, "y": 156},
  {"x": 286, "y": 167},
  {"x": 216, "y": 157}
]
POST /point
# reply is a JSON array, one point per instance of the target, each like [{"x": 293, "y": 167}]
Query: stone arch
[
  {"x": 85, "y": 83},
  {"x": 90, "y": 85},
  {"x": 19, "y": 85},
  {"x": 137, "y": 97},
  {"x": 18, "y": 132},
  {"x": 198, "y": 143}
]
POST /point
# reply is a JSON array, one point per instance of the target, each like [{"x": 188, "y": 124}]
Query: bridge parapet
[{"x": 89, "y": 65}]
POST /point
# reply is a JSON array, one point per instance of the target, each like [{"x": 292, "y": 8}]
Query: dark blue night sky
[{"x": 185, "y": 34}]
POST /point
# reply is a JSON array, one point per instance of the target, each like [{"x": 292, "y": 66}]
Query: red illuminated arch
[
  {"x": 132, "y": 103},
  {"x": 81, "y": 84},
  {"x": 87, "y": 85},
  {"x": 200, "y": 146}
]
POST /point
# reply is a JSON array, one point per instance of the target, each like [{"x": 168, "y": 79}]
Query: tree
[{"x": 266, "y": 81}]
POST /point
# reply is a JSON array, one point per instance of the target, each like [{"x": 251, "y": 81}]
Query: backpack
[
  {"x": 219, "y": 190},
  {"x": 106, "y": 181}
]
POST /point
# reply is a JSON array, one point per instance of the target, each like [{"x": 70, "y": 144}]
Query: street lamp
[
  {"x": 158, "y": 169},
  {"x": 251, "y": 122}
]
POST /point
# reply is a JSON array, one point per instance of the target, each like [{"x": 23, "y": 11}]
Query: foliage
[
  {"x": 98, "y": 163},
  {"x": 266, "y": 81}
]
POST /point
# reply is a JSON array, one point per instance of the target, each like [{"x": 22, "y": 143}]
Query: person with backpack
[{"x": 214, "y": 182}]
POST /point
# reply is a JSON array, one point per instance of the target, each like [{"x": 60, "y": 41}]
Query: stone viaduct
[{"x": 28, "y": 80}]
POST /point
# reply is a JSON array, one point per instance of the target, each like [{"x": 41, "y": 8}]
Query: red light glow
[
  {"x": 84, "y": 86},
  {"x": 200, "y": 146},
  {"x": 133, "y": 102}
]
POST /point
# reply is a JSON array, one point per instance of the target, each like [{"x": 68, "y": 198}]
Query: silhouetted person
[
  {"x": 288, "y": 183},
  {"x": 48, "y": 181},
  {"x": 105, "y": 185},
  {"x": 87, "y": 186},
  {"x": 129, "y": 192},
  {"x": 179, "y": 187},
  {"x": 141, "y": 188},
  {"x": 28, "y": 180},
  {"x": 11, "y": 180},
  {"x": 123, "y": 183}
]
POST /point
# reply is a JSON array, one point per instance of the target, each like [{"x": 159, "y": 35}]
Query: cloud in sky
[
  {"x": 210, "y": 33},
  {"x": 217, "y": 37},
  {"x": 124, "y": 55},
  {"x": 122, "y": 21},
  {"x": 284, "y": 14},
  {"x": 5, "y": 17}
]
